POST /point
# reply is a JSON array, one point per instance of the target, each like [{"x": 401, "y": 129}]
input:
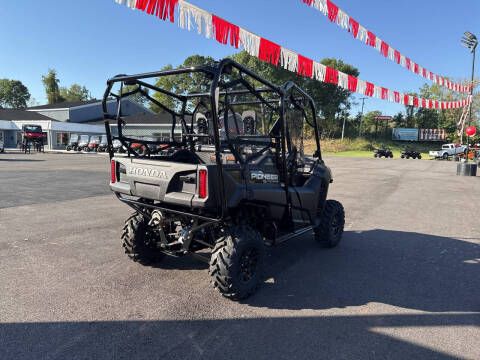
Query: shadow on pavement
[
  {"x": 339, "y": 337},
  {"x": 409, "y": 270}
]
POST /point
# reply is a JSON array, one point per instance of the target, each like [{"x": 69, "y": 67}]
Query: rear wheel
[
  {"x": 138, "y": 241},
  {"x": 237, "y": 262},
  {"x": 331, "y": 224}
]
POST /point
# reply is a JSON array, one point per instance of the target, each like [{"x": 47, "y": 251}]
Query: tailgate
[{"x": 156, "y": 180}]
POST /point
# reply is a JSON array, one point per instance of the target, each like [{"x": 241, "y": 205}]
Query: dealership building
[{"x": 60, "y": 121}]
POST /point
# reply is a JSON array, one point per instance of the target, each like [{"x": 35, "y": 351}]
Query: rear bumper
[{"x": 137, "y": 205}]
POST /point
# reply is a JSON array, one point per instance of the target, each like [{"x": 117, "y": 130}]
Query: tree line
[
  {"x": 15, "y": 95},
  {"x": 333, "y": 103}
]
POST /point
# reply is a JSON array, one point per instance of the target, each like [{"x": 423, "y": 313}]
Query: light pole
[
  {"x": 361, "y": 116},
  {"x": 470, "y": 41}
]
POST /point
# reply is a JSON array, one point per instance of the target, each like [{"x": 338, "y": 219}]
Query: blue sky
[{"x": 87, "y": 41}]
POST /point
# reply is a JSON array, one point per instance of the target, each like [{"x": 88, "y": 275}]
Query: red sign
[{"x": 471, "y": 131}]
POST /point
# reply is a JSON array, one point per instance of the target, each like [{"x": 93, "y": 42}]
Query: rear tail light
[
  {"x": 202, "y": 183},
  {"x": 113, "y": 171}
]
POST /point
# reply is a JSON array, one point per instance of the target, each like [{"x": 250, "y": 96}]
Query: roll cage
[{"x": 225, "y": 87}]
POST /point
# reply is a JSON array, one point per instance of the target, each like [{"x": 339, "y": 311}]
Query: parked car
[
  {"x": 83, "y": 142},
  {"x": 447, "y": 151},
  {"x": 93, "y": 143},
  {"x": 383, "y": 152},
  {"x": 410, "y": 153},
  {"x": 73, "y": 142}
]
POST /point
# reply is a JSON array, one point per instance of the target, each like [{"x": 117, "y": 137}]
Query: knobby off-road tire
[
  {"x": 332, "y": 221},
  {"x": 237, "y": 262},
  {"x": 138, "y": 242}
]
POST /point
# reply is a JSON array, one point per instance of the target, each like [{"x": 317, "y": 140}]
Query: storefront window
[{"x": 62, "y": 138}]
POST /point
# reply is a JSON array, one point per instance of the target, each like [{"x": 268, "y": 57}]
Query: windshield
[{"x": 32, "y": 128}]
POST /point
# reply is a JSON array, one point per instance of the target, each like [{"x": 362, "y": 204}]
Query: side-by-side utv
[
  {"x": 216, "y": 184},
  {"x": 73, "y": 142}
]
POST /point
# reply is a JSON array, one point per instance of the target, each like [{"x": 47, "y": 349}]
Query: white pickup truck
[{"x": 448, "y": 150}]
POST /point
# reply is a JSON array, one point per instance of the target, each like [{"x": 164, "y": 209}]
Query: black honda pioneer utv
[{"x": 218, "y": 185}]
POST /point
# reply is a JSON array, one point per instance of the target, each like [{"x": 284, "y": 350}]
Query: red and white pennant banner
[
  {"x": 192, "y": 17},
  {"x": 345, "y": 21}
]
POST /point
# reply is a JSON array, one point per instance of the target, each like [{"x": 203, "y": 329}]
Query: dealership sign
[
  {"x": 405, "y": 134},
  {"x": 432, "y": 135}
]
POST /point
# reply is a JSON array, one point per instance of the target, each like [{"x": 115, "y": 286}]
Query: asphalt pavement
[{"x": 403, "y": 284}]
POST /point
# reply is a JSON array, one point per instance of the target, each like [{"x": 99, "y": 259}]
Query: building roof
[
  {"x": 14, "y": 114},
  {"x": 146, "y": 118},
  {"x": 65, "y": 105}
]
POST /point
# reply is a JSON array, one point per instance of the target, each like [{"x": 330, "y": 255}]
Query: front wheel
[
  {"x": 237, "y": 262},
  {"x": 331, "y": 224},
  {"x": 445, "y": 156}
]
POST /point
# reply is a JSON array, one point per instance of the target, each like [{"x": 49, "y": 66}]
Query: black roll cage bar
[{"x": 284, "y": 93}]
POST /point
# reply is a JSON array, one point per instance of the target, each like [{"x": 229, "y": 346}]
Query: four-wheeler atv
[
  {"x": 93, "y": 143},
  {"x": 73, "y": 142},
  {"x": 409, "y": 153},
  {"x": 383, "y": 152},
  {"x": 83, "y": 143},
  {"x": 217, "y": 189}
]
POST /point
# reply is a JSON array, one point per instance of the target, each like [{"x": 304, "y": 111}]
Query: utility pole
[
  {"x": 470, "y": 41},
  {"x": 361, "y": 116}
]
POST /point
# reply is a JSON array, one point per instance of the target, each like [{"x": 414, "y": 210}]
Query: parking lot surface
[{"x": 403, "y": 284}]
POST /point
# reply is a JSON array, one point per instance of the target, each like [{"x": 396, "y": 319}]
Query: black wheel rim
[{"x": 248, "y": 265}]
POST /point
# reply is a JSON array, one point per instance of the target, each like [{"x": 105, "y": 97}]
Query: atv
[
  {"x": 383, "y": 152},
  {"x": 117, "y": 146},
  {"x": 73, "y": 142},
  {"x": 409, "y": 153},
  {"x": 214, "y": 188},
  {"x": 103, "y": 146},
  {"x": 93, "y": 143},
  {"x": 83, "y": 142}
]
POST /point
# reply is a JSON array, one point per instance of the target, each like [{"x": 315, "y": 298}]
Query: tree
[
  {"x": 75, "y": 92},
  {"x": 369, "y": 122},
  {"x": 183, "y": 83},
  {"x": 13, "y": 94},
  {"x": 50, "y": 82},
  {"x": 399, "y": 120}
]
